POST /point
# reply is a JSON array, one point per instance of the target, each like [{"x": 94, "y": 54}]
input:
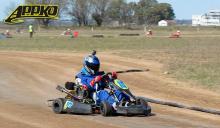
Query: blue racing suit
[{"x": 102, "y": 95}]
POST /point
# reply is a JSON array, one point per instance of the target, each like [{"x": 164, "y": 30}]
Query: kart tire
[
  {"x": 142, "y": 102},
  {"x": 105, "y": 109},
  {"x": 57, "y": 106}
]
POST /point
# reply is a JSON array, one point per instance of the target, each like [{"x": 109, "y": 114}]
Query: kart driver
[{"x": 90, "y": 75}]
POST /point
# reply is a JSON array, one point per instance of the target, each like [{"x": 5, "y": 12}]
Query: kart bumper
[{"x": 134, "y": 110}]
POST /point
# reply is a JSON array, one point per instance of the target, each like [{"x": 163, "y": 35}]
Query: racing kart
[{"x": 77, "y": 100}]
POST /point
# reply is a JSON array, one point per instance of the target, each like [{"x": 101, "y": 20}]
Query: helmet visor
[{"x": 93, "y": 67}]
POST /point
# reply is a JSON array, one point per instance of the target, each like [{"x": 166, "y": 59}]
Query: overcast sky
[{"x": 184, "y": 9}]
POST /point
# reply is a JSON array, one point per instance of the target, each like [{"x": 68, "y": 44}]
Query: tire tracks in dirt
[{"x": 28, "y": 79}]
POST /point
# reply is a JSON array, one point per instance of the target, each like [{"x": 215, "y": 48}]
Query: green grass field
[{"x": 193, "y": 58}]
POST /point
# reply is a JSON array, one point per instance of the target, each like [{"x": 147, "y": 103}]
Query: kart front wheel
[
  {"x": 141, "y": 101},
  {"x": 105, "y": 109}
]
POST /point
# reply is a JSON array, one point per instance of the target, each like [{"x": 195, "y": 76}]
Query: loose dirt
[{"x": 28, "y": 80}]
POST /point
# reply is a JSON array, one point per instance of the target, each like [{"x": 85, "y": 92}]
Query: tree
[
  {"x": 79, "y": 10},
  {"x": 46, "y": 21},
  {"x": 99, "y": 8},
  {"x": 142, "y": 9},
  {"x": 113, "y": 11},
  {"x": 122, "y": 11},
  {"x": 162, "y": 11},
  {"x": 132, "y": 18}
]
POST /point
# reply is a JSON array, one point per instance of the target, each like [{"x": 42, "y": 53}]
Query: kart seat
[{"x": 69, "y": 85}]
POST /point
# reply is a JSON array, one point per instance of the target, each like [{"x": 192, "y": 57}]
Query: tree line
[{"x": 83, "y": 11}]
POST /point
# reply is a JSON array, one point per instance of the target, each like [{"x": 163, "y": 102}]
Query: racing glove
[
  {"x": 114, "y": 75},
  {"x": 95, "y": 80}
]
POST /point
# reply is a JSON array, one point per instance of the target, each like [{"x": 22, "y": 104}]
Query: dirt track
[{"x": 28, "y": 79}]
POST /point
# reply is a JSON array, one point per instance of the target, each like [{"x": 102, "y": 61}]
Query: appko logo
[{"x": 33, "y": 11}]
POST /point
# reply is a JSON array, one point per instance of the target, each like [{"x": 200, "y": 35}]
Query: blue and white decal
[{"x": 68, "y": 104}]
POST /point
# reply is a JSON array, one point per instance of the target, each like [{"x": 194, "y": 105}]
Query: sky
[
  {"x": 184, "y": 9},
  {"x": 8, "y": 4}
]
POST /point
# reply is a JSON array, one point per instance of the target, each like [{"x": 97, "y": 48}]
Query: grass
[
  {"x": 195, "y": 59},
  {"x": 85, "y": 43}
]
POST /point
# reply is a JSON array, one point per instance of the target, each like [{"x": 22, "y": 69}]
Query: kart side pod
[{"x": 62, "y": 105}]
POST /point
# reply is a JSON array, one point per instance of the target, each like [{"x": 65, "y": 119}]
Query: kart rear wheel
[
  {"x": 57, "y": 106},
  {"x": 105, "y": 109}
]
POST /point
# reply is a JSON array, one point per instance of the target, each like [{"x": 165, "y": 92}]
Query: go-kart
[{"x": 77, "y": 100}]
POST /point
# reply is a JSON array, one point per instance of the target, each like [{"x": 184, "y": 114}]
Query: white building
[
  {"x": 212, "y": 18},
  {"x": 163, "y": 23}
]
